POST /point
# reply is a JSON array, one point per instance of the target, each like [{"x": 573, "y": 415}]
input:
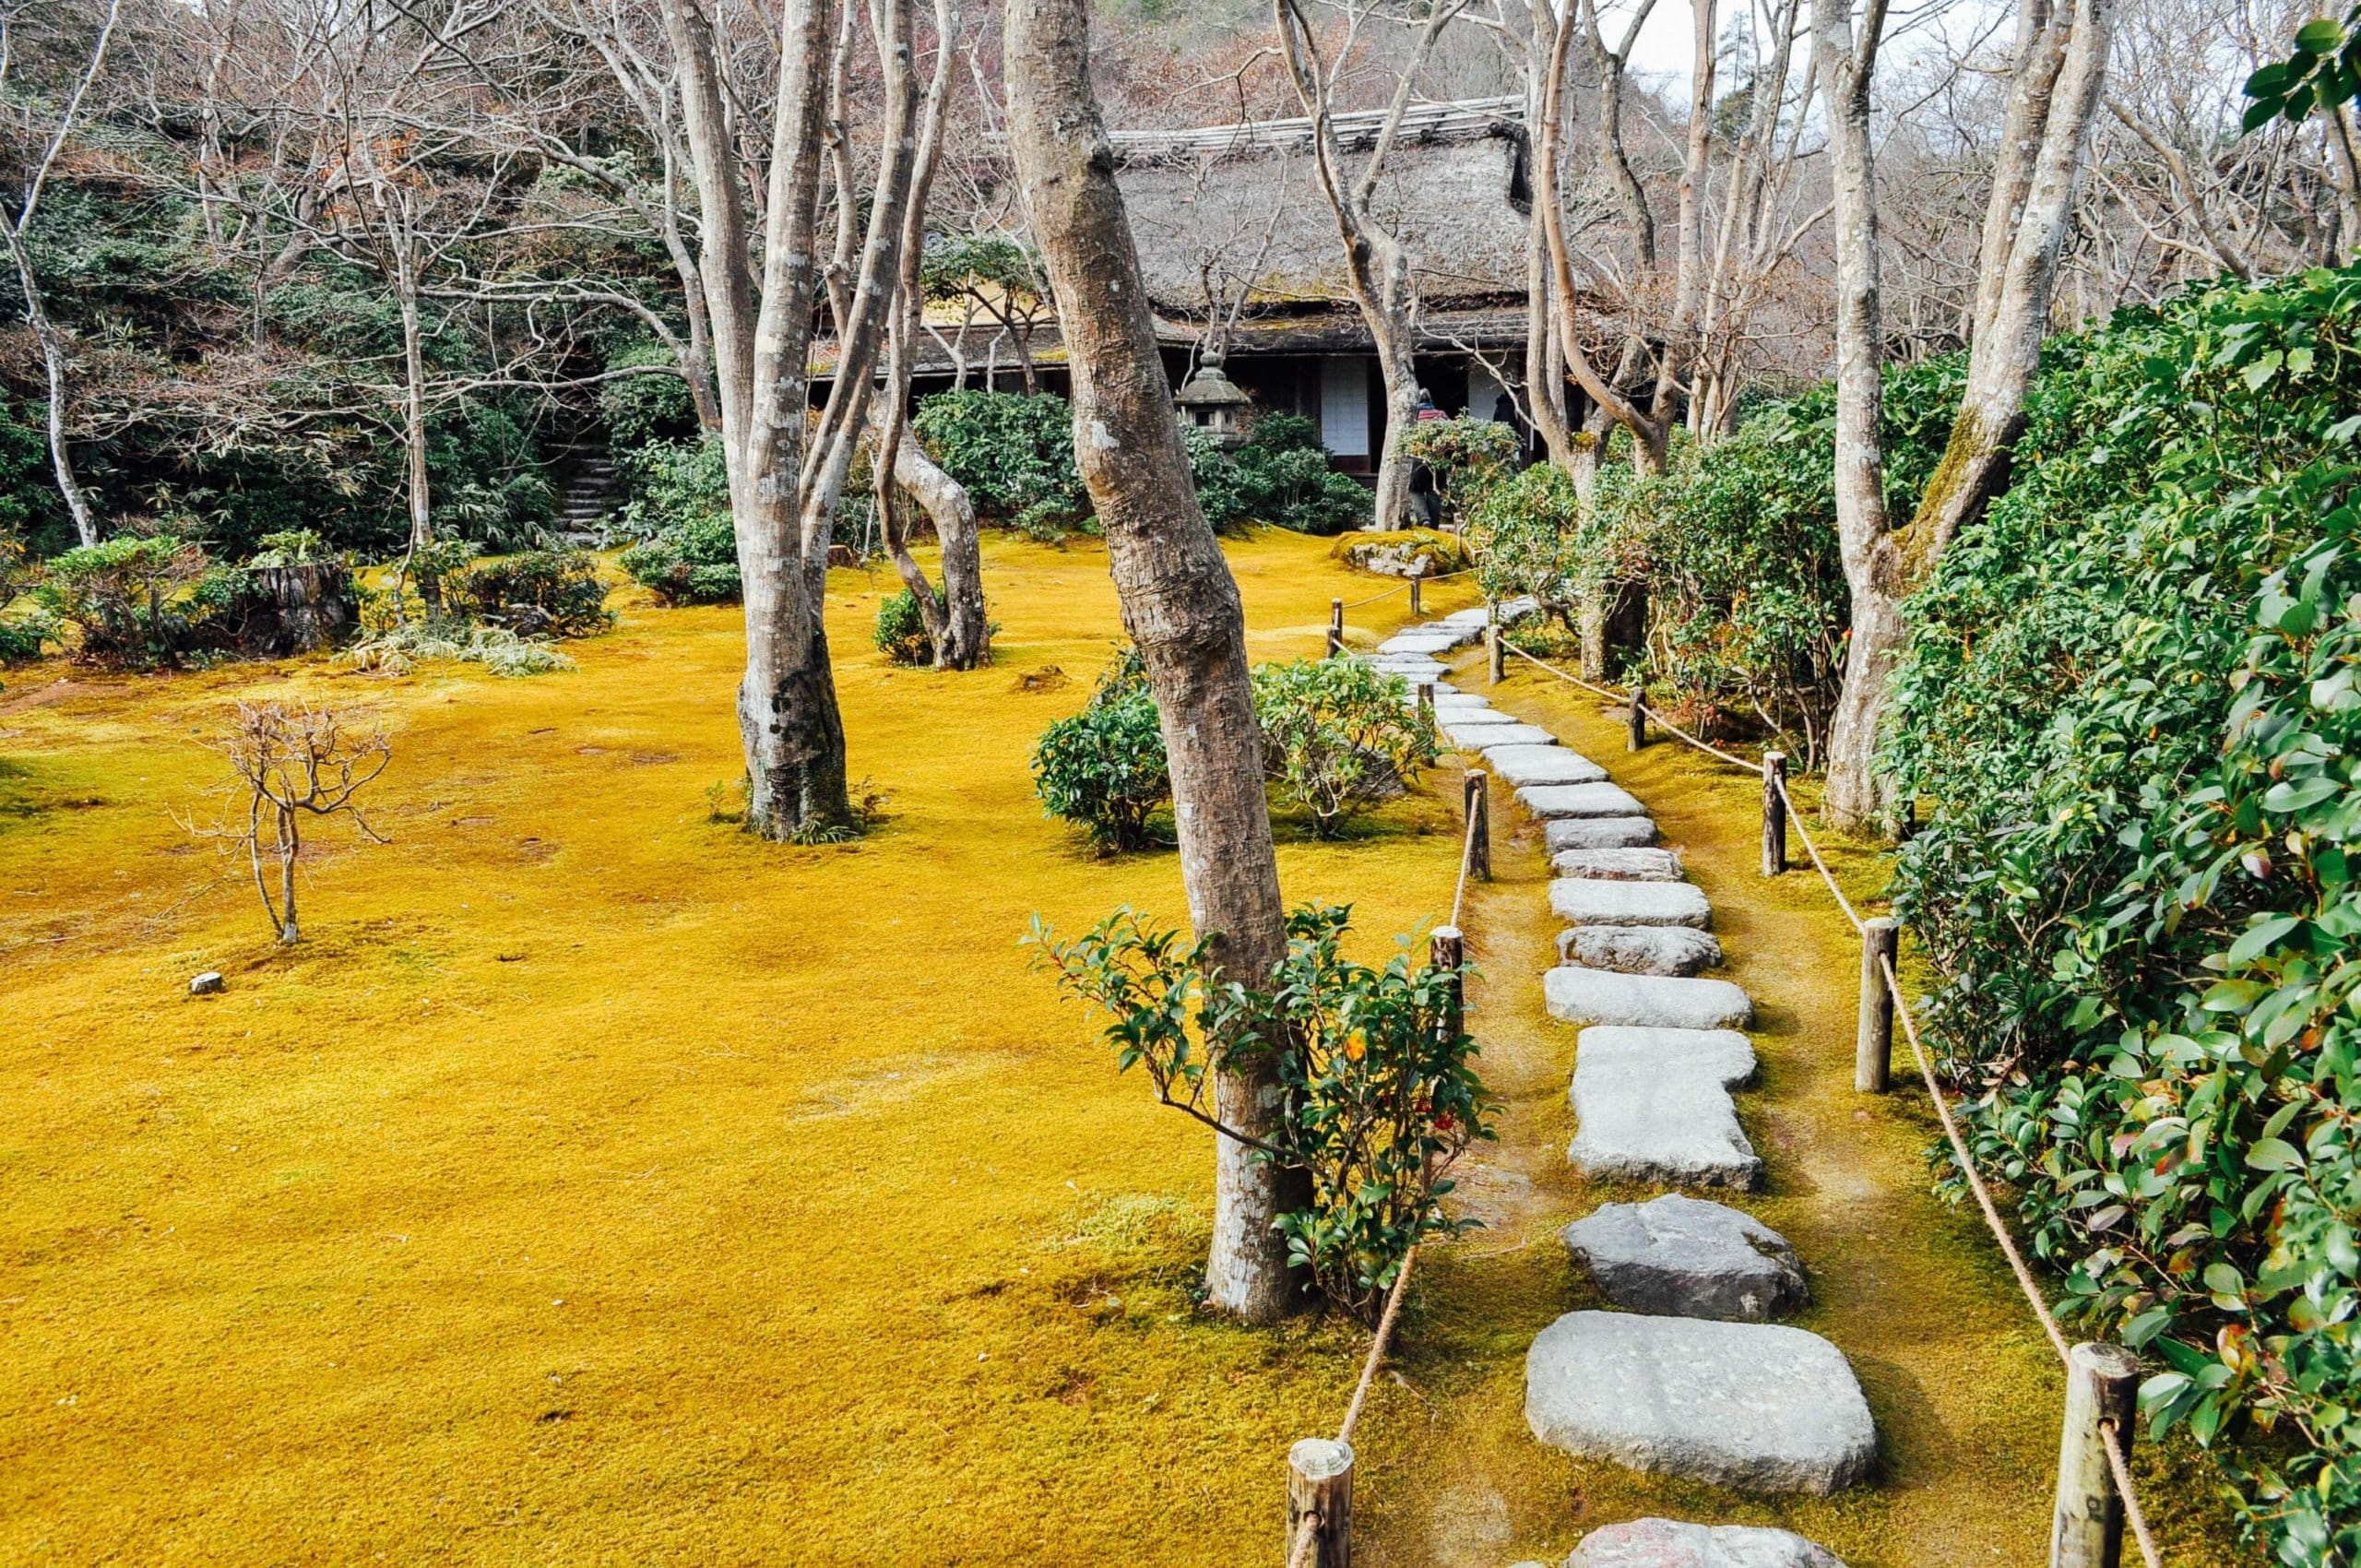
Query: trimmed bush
[
  {"x": 688, "y": 549},
  {"x": 1103, "y": 768},
  {"x": 901, "y": 631},
  {"x": 135, "y": 601},
  {"x": 1339, "y": 736},
  {"x": 1013, "y": 452},
  {"x": 540, "y": 593}
]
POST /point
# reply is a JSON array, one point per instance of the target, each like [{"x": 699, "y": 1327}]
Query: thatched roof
[{"x": 1243, "y": 205}]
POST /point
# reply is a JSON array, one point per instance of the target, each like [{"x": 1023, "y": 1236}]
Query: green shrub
[
  {"x": 542, "y": 592},
  {"x": 1467, "y": 457},
  {"x": 1014, "y": 453},
  {"x": 679, "y": 511},
  {"x": 1339, "y": 736},
  {"x": 1380, "y": 1091},
  {"x": 1103, "y": 768},
  {"x": 1279, "y": 475},
  {"x": 901, "y": 631},
  {"x": 293, "y": 548},
  {"x": 2126, "y": 709},
  {"x": 139, "y": 600}
]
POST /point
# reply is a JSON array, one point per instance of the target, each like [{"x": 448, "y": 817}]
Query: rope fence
[{"x": 2101, "y": 1379}]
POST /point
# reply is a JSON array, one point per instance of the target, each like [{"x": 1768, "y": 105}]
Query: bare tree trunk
[
  {"x": 54, "y": 364},
  {"x": 1648, "y": 434},
  {"x": 2060, "y": 75},
  {"x": 1180, "y": 601},
  {"x": 420, "y": 498},
  {"x": 1375, "y": 261},
  {"x": 1688, "y": 258},
  {"x": 2053, "y": 106},
  {"x": 1545, "y": 392},
  {"x": 1848, "y": 67}
]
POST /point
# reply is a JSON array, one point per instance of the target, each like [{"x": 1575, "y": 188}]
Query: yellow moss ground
[{"x": 598, "y": 1184}]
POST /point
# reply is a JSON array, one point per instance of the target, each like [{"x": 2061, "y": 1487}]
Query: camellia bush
[
  {"x": 2127, "y": 716},
  {"x": 539, "y": 593},
  {"x": 1339, "y": 736},
  {"x": 1382, "y": 1094},
  {"x": 1104, "y": 769}
]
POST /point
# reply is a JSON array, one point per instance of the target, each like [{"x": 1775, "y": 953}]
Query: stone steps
[{"x": 1691, "y": 1379}]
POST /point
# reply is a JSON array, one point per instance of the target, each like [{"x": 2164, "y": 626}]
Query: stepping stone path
[{"x": 1691, "y": 1381}]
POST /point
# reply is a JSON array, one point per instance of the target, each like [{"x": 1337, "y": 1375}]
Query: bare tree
[
  {"x": 1179, "y": 602},
  {"x": 954, "y": 616},
  {"x": 296, "y": 763},
  {"x": 2058, "y": 75},
  {"x": 787, "y": 467},
  {"x": 55, "y": 353},
  {"x": 1379, "y": 267}
]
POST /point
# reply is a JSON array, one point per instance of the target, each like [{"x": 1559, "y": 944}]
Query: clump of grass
[{"x": 397, "y": 650}]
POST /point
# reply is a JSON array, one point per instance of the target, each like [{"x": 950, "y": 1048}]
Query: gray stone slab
[
  {"x": 1654, "y": 1105},
  {"x": 1598, "y": 833},
  {"x": 1589, "y": 900},
  {"x": 1420, "y": 640},
  {"x": 1518, "y": 764},
  {"x": 1457, "y": 703},
  {"x": 1684, "y": 1257},
  {"x": 1618, "y": 864},
  {"x": 1484, "y": 733},
  {"x": 1578, "y": 994},
  {"x": 1640, "y": 949},
  {"x": 1410, "y": 668},
  {"x": 1669, "y": 1543},
  {"x": 1579, "y": 800},
  {"x": 1756, "y": 1405},
  {"x": 1475, "y": 616},
  {"x": 1724, "y": 1057}
]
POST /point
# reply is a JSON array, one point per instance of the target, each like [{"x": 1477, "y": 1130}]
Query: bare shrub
[{"x": 294, "y": 762}]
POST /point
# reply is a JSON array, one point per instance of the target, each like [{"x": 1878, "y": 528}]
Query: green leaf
[
  {"x": 2321, "y": 36},
  {"x": 2274, "y": 1153}
]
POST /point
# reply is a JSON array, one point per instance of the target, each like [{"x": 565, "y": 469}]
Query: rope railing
[
  {"x": 2112, "y": 1435},
  {"x": 1403, "y": 586}
]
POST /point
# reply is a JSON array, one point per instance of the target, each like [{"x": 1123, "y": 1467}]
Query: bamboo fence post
[
  {"x": 2102, "y": 1389},
  {"x": 1639, "y": 719},
  {"x": 1873, "y": 1046},
  {"x": 1494, "y": 656},
  {"x": 1416, "y": 610},
  {"x": 1446, "y": 951},
  {"x": 1427, "y": 698},
  {"x": 1775, "y": 813},
  {"x": 1320, "y": 1488},
  {"x": 1479, "y": 832},
  {"x": 1336, "y": 627}
]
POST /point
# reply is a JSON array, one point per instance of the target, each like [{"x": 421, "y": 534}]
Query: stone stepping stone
[
  {"x": 1410, "y": 666},
  {"x": 1640, "y": 949},
  {"x": 1618, "y": 864},
  {"x": 1684, "y": 1257},
  {"x": 1473, "y": 618},
  {"x": 1590, "y": 900},
  {"x": 1420, "y": 640},
  {"x": 1669, "y": 1543},
  {"x": 1482, "y": 734},
  {"x": 1598, "y": 833},
  {"x": 1578, "y": 994},
  {"x": 1463, "y": 704},
  {"x": 1654, "y": 1105},
  {"x": 1755, "y": 1405},
  {"x": 1579, "y": 800},
  {"x": 1521, "y": 764}
]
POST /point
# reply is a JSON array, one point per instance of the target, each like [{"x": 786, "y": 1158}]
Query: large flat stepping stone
[
  {"x": 1684, "y": 1257},
  {"x": 1640, "y": 949},
  {"x": 1421, "y": 642},
  {"x": 1597, "y": 833},
  {"x": 1618, "y": 864},
  {"x": 1522, "y": 764},
  {"x": 1756, "y": 1405},
  {"x": 1654, "y": 1105},
  {"x": 1548, "y": 801},
  {"x": 1589, "y": 900},
  {"x": 1414, "y": 671},
  {"x": 1482, "y": 734},
  {"x": 1669, "y": 1543},
  {"x": 1578, "y": 994},
  {"x": 1724, "y": 1057}
]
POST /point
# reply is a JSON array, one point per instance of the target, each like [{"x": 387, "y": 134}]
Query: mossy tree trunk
[
  {"x": 2058, "y": 81},
  {"x": 1849, "y": 61},
  {"x": 1179, "y": 602}
]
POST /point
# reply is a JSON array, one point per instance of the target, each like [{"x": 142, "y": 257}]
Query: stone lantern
[{"x": 1210, "y": 401}]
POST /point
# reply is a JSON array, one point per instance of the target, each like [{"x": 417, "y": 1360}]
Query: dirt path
[{"x": 1965, "y": 1389}]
